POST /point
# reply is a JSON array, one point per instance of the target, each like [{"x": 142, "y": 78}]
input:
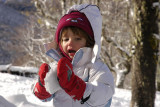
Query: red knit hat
[{"x": 76, "y": 19}]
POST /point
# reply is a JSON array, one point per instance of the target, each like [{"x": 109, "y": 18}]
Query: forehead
[{"x": 76, "y": 31}]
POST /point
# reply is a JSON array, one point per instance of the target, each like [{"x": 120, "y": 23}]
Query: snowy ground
[{"x": 15, "y": 91}]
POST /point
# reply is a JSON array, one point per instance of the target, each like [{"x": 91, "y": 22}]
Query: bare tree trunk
[
  {"x": 145, "y": 58},
  {"x": 98, "y": 3},
  {"x": 63, "y": 4},
  {"x": 79, "y": 1},
  {"x": 158, "y": 76}
]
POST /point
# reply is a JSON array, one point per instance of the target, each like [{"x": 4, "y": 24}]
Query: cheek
[
  {"x": 63, "y": 46},
  {"x": 84, "y": 43},
  {"x": 81, "y": 45}
]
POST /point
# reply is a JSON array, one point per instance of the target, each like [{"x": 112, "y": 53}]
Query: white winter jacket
[{"x": 87, "y": 65}]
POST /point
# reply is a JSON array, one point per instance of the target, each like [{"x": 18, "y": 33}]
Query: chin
[{"x": 71, "y": 57}]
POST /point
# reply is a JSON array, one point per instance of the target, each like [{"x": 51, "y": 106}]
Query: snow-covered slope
[{"x": 15, "y": 91}]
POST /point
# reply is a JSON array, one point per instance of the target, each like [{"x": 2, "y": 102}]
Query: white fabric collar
[{"x": 82, "y": 56}]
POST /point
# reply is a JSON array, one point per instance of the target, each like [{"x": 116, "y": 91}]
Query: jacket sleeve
[{"x": 100, "y": 88}]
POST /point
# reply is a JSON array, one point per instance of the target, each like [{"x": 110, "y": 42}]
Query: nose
[{"x": 70, "y": 42}]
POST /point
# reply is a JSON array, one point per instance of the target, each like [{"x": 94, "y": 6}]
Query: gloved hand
[
  {"x": 39, "y": 89},
  {"x": 72, "y": 84},
  {"x": 51, "y": 82}
]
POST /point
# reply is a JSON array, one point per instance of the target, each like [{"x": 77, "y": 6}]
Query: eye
[
  {"x": 65, "y": 39},
  {"x": 78, "y": 38}
]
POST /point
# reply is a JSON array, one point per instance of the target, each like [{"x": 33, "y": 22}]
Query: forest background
[{"x": 25, "y": 25}]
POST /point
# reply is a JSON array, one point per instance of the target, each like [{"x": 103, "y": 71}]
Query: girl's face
[{"x": 71, "y": 43}]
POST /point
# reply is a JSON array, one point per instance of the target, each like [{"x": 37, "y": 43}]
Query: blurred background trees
[{"x": 27, "y": 24}]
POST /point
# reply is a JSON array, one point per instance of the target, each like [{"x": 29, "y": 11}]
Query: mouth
[{"x": 71, "y": 51}]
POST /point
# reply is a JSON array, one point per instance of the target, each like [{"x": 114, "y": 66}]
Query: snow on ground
[{"x": 15, "y": 91}]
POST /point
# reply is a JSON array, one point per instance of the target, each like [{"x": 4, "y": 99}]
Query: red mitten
[
  {"x": 44, "y": 68},
  {"x": 72, "y": 84},
  {"x": 41, "y": 93},
  {"x": 39, "y": 89}
]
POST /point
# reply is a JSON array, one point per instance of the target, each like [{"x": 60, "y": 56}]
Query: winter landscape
[
  {"x": 15, "y": 91},
  {"x": 20, "y": 46}
]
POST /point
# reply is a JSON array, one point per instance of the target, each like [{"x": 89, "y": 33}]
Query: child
[{"x": 78, "y": 77}]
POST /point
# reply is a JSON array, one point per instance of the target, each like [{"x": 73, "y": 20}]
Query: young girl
[{"x": 77, "y": 77}]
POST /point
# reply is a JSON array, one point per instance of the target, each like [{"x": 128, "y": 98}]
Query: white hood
[{"x": 93, "y": 14}]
